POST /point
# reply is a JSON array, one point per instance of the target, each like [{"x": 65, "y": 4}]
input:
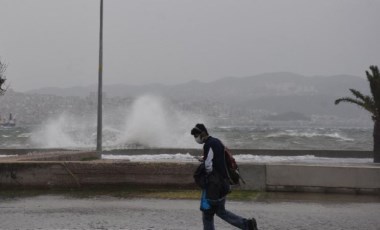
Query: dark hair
[{"x": 198, "y": 129}]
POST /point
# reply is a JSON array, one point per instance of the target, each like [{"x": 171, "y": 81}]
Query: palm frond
[
  {"x": 350, "y": 100},
  {"x": 367, "y": 100},
  {"x": 366, "y": 104},
  {"x": 375, "y": 71},
  {"x": 374, "y": 83},
  {"x": 3, "y": 68},
  {"x": 358, "y": 94}
]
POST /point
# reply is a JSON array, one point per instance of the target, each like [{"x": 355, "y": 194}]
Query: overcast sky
[{"x": 55, "y": 42}]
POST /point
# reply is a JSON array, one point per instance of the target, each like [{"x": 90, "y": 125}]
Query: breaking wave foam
[
  {"x": 150, "y": 122},
  {"x": 294, "y": 133},
  {"x": 186, "y": 157}
]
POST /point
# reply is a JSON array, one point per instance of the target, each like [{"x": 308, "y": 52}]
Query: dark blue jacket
[{"x": 213, "y": 155}]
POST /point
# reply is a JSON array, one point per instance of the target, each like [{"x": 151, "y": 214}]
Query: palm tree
[
  {"x": 371, "y": 104},
  {"x": 3, "y": 67}
]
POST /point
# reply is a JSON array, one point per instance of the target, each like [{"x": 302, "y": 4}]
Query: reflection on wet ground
[{"x": 272, "y": 210}]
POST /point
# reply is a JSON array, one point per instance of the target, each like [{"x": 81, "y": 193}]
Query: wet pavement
[{"x": 296, "y": 211}]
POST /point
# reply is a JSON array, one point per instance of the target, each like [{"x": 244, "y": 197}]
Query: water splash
[
  {"x": 153, "y": 122},
  {"x": 60, "y": 132},
  {"x": 150, "y": 121}
]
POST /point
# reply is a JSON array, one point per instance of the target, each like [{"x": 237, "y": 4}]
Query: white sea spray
[
  {"x": 150, "y": 122},
  {"x": 241, "y": 158}
]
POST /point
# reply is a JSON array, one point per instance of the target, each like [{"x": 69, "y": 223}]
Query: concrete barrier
[
  {"x": 254, "y": 176},
  {"x": 14, "y": 151},
  {"x": 76, "y": 174},
  {"x": 363, "y": 178},
  {"x": 54, "y": 156},
  {"x": 357, "y": 178},
  {"x": 70, "y": 169}
]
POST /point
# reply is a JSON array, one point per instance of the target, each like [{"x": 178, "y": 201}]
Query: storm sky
[{"x": 55, "y": 42}]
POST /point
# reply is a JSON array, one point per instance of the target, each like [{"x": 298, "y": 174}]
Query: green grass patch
[
  {"x": 89, "y": 158},
  {"x": 124, "y": 192}
]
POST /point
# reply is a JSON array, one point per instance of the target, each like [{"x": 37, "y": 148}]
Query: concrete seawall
[
  {"x": 355, "y": 178},
  {"x": 73, "y": 169},
  {"x": 50, "y": 174}
]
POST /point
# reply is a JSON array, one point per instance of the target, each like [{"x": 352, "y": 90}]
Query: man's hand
[{"x": 199, "y": 158}]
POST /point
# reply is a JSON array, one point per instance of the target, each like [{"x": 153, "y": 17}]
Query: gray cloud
[{"x": 55, "y": 43}]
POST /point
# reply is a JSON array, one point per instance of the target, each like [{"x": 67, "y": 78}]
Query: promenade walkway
[{"x": 278, "y": 211}]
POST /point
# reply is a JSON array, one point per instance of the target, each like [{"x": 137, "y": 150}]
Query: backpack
[
  {"x": 200, "y": 176},
  {"x": 232, "y": 168}
]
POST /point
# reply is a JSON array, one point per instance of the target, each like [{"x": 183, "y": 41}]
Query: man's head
[{"x": 200, "y": 133}]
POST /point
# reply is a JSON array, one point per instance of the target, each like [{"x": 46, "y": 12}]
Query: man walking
[{"x": 217, "y": 186}]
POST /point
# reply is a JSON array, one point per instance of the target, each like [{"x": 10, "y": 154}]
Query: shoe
[{"x": 252, "y": 224}]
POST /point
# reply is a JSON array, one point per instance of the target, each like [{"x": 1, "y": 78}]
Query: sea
[
  {"x": 254, "y": 137},
  {"x": 240, "y": 137},
  {"x": 151, "y": 122}
]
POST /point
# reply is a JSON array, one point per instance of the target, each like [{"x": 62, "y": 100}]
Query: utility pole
[{"x": 100, "y": 84}]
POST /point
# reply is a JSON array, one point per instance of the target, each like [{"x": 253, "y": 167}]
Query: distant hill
[
  {"x": 276, "y": 93},
  {"x": 269, "y": 84}
]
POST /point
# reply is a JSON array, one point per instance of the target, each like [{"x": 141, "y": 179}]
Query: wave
[
  {"x": 8, "y": 155},
  {"x": 150, "y": 121},
  {"x": 248, "y": 158},
  {"x": 24, "y": 135},
  {"x": 303, "y": 158},
  {"x": 179, "y": 157},
  {"x": 295, "y": 133}
]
